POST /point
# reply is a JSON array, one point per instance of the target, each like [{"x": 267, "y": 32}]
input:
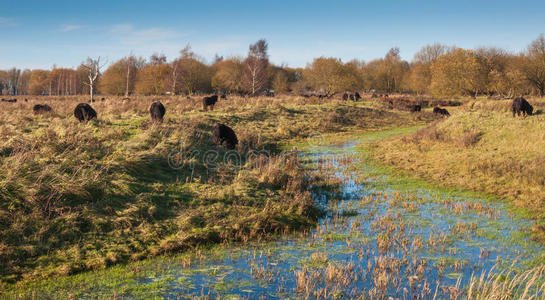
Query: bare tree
[
  {"x": 533, "y": 64},
  {"x": 217, "y": 59},
  {"x": 255, "y": 75},
  {"x": 174, "y": 76},
  {"x": 12, "y": 82},
  {"x": 157, "y": 59},
  {"x": 131, "y": 61},
  {"x": 430, "y": 53},
  {"x": 93, "y": 67}
]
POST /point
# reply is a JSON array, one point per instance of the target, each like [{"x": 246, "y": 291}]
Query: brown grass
[
  {"x": 481, "y": 147},
  {"x": 85, "y": 196}
]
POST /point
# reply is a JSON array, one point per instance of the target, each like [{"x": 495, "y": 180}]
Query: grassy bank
[
  {"x": 77, "y": 197},
  {"x": 480, "y": 147}
]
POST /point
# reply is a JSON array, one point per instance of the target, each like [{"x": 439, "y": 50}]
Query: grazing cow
[
  {"x": 415, "y": 107},
  {"x": 84, "y": 112},
  {"x": 26, "y": 100},
  {"x": 352, "y": 97},
  {"x": 9, "y": 100},
  {"x": 209, "y": 101},
  {"x": 41, "y": 108},
  {"x": 102, "y": 99},
  {"x": 224, "y": 136},
  {"x": 357, "y": 96},
  {"x": 390, "y": 104},
  {"x": 441, "y": 111},
  {"x": 268, "y": 93},
  {"x": 157, "y": 111},
  {"x": 521, "y": 105},
  {"x": 223, "y": 96},
  {"x": 345, "y": 96},
  {"x": 188, "y": 97}
]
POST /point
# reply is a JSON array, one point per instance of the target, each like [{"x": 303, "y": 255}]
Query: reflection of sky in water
[{"x": 268, "y": 270}]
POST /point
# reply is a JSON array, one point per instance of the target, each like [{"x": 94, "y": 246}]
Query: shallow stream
[{"x": 379, "y": 239}]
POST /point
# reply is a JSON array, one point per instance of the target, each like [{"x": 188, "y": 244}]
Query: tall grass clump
[{"x": 529, "y": 284}]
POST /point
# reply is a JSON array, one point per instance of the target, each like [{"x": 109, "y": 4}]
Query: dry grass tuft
[{"x": 499, "y": 286}]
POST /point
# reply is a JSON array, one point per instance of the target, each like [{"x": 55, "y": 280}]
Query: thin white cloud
[
  {"x": 121, "y": 28},
  {"x": 128, "y": 35},
  {"x": 68, "y": 28},
  {"x": 7, "y": 21}
]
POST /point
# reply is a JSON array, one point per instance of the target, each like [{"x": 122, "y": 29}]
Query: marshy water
[{"x": 380, "y": 238}]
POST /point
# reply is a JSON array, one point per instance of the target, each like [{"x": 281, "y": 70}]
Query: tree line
[{"x": 436, "y": 69}]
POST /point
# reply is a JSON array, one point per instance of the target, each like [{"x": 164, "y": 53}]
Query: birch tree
[
  {"x": 255, "y": 73},
  {"x": 93, "y": 67}
]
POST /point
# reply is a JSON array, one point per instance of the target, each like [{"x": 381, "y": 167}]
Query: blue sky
[{"x": 38, "y": 34}]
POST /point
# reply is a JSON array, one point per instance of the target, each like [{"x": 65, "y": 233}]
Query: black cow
[
  {"x": 223, "y": 96},
  {"x": 345, "y": 96},
  {"x": 224, "y": 136},
  {"x": 415, "y": 107},
  {"x": 84, "y": 112},
  {"x": 352, "y": 97},
  {"x": 9, "y": 100},
  {"x": 41, "y": 108},
  {"x": 441, "y": 111},
  {"x": 521, "y": 105},
  {"x": 209, "y": 101},
  {"x": 357, "y": 96},
  {"x": 390, "y": 104},
  {"x": 157, "y": 111}
]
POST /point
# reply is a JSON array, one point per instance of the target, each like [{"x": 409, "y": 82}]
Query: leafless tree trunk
[
  {"x": 131, "y": 60},
  {"x": 93, "y": 66},
  {"x": 128, "y": 76},
  {"x": 174, "y": 76}
]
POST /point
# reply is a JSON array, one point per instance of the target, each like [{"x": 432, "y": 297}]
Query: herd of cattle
[{"x": 224, "y": 136}]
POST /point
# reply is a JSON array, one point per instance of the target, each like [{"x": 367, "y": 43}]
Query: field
[
  {"x": 77, "y": 197},
  {"x": 418, "y": 204}
]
